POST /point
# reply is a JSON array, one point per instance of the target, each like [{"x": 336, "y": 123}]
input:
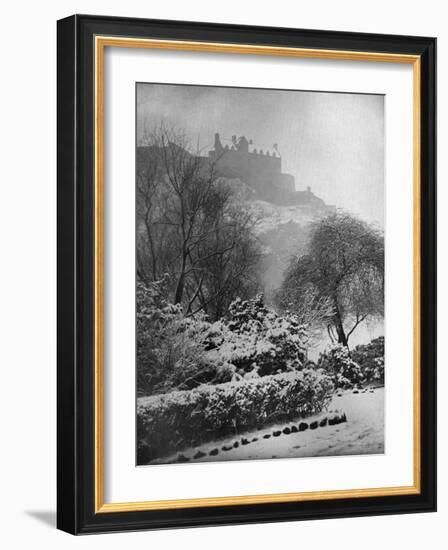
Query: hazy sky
[{"x": 332, "y": 142}]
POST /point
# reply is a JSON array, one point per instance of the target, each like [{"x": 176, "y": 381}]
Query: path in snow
[{"x": 363, "y": 433}]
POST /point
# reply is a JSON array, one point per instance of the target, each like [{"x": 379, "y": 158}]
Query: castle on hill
[
  {"x": 258, "y": 168},
  {"x": 261, "y": 169}
]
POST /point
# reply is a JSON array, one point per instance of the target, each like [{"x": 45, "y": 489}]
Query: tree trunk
[
  {"x": 342, "y": 337},
  {"x": 179, "y": 289},
  {"x": 179, "y": 292}
]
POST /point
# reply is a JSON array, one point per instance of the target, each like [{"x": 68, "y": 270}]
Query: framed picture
[{"x": 246, "y": 274}]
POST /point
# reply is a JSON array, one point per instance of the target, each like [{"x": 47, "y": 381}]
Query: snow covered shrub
[
  {"x": 181, "y": 352},
  {"x": 169, "y": 422},
  {"x": 153, "y": 315},
  {"x": 255, "y": 340},
  {"x": 338, "y": 364},
  {"x": 244, "y": 313},
  {"x": 171, "y": 348},
  {"x": 370, "y": 358}
]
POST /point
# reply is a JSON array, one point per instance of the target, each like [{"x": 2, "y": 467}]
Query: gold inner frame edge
[{"x": 101, "y": 42}]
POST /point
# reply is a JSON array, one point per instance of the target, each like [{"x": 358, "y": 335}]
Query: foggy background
[{"x": 333, "y": 142}]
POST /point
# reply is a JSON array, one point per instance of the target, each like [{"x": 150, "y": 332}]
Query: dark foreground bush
[
  {"x": 169, "y": 422},
  {"x": 370, "y": 357},
  {"x": 339, "y": 365},
  {"x": 178, "y": 352}
]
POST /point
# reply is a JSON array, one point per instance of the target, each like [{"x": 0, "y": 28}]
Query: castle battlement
[
  {"x": 243, "y": 145},
  {"x": 260, "y": 168}
]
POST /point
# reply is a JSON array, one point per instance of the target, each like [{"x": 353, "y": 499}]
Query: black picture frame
[{"x": 76, "y": 512}]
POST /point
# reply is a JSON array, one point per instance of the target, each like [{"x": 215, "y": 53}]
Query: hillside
[
  {"x": 283, "y": 217},
  {"x": 282, "y": 230}
]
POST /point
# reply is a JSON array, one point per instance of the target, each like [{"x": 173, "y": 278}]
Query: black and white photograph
[
  {"x": 259, "y": 273},
  {"x": 220, "y": 275}
]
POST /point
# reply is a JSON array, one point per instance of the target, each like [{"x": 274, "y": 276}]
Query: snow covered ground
[
  {"x": 363, "y": 433},
  {"x": 270, "y": 216}
]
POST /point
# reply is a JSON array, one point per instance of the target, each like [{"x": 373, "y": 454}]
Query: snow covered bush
[
  {"x": 171, "y": 348},
  {"x": 370, "y": 358},
  {"x": 181, "y": 352},
  {"x": 169, "y": 422},
  {"x": 256, "y": 340},
  {"x": 338, "y": 364}
]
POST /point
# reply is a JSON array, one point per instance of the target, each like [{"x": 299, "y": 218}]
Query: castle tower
[
  {"x": 218, "y": 144},
  {"x": 243, "y": 145}
]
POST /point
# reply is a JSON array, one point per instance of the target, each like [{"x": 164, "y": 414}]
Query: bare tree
[
  {"x": 234, "y": 273},
  {"x": 188, "y": 225},
  {"x": 308, "y": 305},
  {"x": 342, "y": 274}
]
